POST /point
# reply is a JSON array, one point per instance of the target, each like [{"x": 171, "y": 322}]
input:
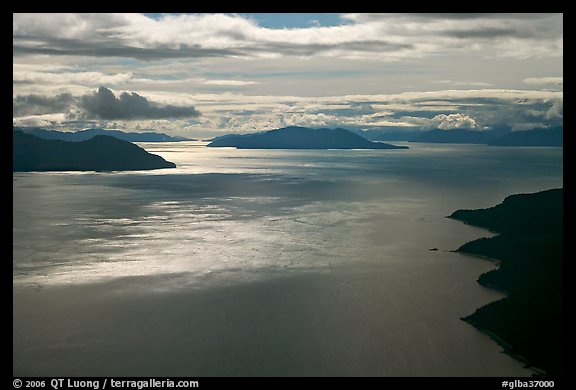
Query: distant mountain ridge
[
  {"x": 536, "y": 137},
  {"x": 84, "y": 135},
  {"x": 295, "y": 137},
  {"x": 456, "y": 136},
  {"x": 100, "y": 153}
]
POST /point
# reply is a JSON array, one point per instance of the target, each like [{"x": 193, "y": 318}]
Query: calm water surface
[{"x": 252, "y": 262}]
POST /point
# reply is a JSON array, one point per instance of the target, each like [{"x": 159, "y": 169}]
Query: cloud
[
  {"x": 462, "y": 83},
  {"x": 103, "y": 104},
  {"x": 187, "y": 84},
  {"x": 234, "y": 112},
  {"x": 230, "y": 83},
  {"x": 386, "y": 37},
  {"x": 556, "y": 111},
  {"x": 448, "y": 109},
  {"x": 544, "y": 81},
  {"x": 111, "y": 48},
  {"x": 523, "y": 126},
  {"x": 454, "y": 121},
  {"x": 40, "y": 105},
  {"x": 517, "y": 35},
  {"x": 84, "y": 78},
  {"x": 44, "y": 120},
  {"x": 433, "y": 17}
]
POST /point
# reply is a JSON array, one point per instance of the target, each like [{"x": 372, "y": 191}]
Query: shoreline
[
  {"x": 495, "y": 261},
  {"x": 528, "y": 243},
  {"x": 506, "y": 347}
]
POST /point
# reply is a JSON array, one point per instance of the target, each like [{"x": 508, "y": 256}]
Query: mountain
[
  {"x": 379, "y": 135},
  {"x": 100, "y": 153},
  {"x": 498, "y": 136},
  {"x": 300, "y": 138},
  {"x": 455, "y": 136},
  {"x": 84, "y": 135},
  {"x": 528, "y": 322},
  {"x": 232, "y": 135},
  {"x": 536, "y": 137}
]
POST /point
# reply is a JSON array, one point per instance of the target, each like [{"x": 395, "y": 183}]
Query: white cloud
[
  {"x": 544, "y": 81},
  {"x": 244, "y": 77},
  {"x": 454, "y": 121},
  {"x": 383, "y": 37},
  {"x": 230, "y": 83},
  {"x": 556, "y": 111},
  {"x": 447, "y": 109},
  {"x": 184, "y": 83},
  {"x": 462, "y": 83},
  {"x": 254, "y": 113},
  {"x": 45, "y": 120},
  {"x": 84, "y": 78},
  {"x": 69, "y": 25}
]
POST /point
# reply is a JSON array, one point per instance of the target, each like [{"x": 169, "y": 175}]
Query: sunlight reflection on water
[
  {"x": 306, "y": 211},
  {"x": 330, "y": 247}
]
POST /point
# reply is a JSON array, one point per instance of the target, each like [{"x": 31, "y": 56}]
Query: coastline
[
  {"x": 495, "y": 261},
  {"x": 506, "y": 348},
  {"x": 527, "y": 249}
]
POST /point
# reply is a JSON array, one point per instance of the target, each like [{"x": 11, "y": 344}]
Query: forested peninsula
[{"x": 527, "y": 323}]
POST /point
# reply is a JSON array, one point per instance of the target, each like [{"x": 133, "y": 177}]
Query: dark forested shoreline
[
  {"x": 528, "y": 322},
  {"x": 101, "y": 153}
]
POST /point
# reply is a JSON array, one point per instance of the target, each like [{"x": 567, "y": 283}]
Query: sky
[{"x": 203, "y": 75}]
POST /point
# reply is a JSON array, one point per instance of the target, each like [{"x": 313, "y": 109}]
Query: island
[
  {"x": 100, "y": 153},
  {"x": 84, "y": 135},
  {"x": 295, "y": 137},
  {"x": 527, "y": 323}
]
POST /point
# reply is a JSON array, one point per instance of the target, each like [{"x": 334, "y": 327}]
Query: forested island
[
  {"x": 100, "y": 153},
  {"x": 85, "y": 135},
  {"x": 295, "y": 137},
  {"x": 528, "y": 322}
]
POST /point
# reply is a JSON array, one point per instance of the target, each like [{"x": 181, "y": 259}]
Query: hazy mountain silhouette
[
  {"x": 498, "y": 136},
  {"x": 100, "y": 153},
  {"x": 84, "y": 135},
  {"x": 536, "y": 137},
  {"x": 388, "y": 135},
  {"x": 528, "y": 322},
  {"x": 300, "y": 138},
  {"x": 233, "y": 135},
  {"x": 455, "y": 136}
]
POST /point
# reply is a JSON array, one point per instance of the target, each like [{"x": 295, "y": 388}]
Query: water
[{"x": 251, "y": 262}]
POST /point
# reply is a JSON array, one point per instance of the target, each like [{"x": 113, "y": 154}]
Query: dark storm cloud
[
  {"x": 37, "y": 105},
  {"x": 103, "y": 104}
]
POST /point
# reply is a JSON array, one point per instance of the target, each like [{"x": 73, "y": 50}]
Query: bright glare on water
[{"x": 254, "y": 262}]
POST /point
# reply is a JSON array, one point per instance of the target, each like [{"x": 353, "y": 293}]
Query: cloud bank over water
[{"x": 245, "y": 73}]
